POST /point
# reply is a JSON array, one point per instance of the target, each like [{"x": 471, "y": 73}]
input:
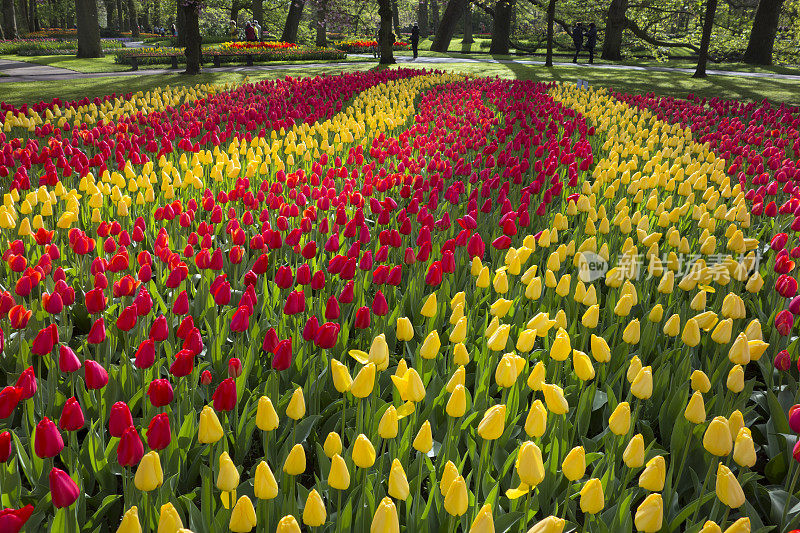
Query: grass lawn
[
  {"x": 100, "y": 64},
  {"x": 662, "y": 83}
]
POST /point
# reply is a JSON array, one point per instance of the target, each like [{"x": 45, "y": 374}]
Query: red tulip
[
  {"x": 186, "y": 325},
  {"x": 206, "y": 378},
  {"x": 9, "y": 399},
  {"x": 159, "y": 331},
  {"x": 240, "y": 321},
  {"x": 332, "y": 308},
  {"x": 95, "y": 376},
  {"x": 119, "y": 419},
  {"x": 127, "y": 319},
  {"x": 786, "y": 286},
  {"x": 283, "y": 355},
  {"x": 784, "y": 322},
  {"x": 130, "y": 448},
  {"x": 347, "y": 296},
  {"x": 222, "y": 294},
  {"x": 181, "y": 305},
  {"x": 327, "y": 334},
  {"x": 794, "y": 418},
  {"x": 284, "y": 277},
  {"x": 796, "y": 451},
  {"x": 782, "y": 360},
  {"x": 225, "y": 395},
  {"x": 145, "y": 354},
  {"x": 183, "y": 364},
  {"x": 67, "y": 360},
  {"x": 97, "y": 333},
  {"x": 304, "y": 274},
  {"x": 310, "y": 329},
  {"x": 52, "y": 303},
  {"x": 270, "y": 340},
  {"x": 5, "y": 448},
  {"x": 362, "y": 319},
  {"x": 12, "y": 520},
  {"x": 160, "y": 392},
  {"x": 234, "y": 367},
  {"x": 143, "y": 302},
  {"x": 26, "y": 383},
  {"x": 379, "y": 305},
  {"x": 48, "y": 441},
  {"x": 783, "y": 265},
  {"x": 159, "y": 434},
  {"x": 434, "y": 275},
  {"x": 45, "y": 340},
  {"x": 779, "y": 241},
  {"x": 71, "y": 416},
  {"x": 63, "y": 489},
  {"x": 295, "y": 303}
]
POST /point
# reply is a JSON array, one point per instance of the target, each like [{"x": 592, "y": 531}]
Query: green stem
[
  {"x": 712, "y": 467},
  {"x": 789, "y": 495}
]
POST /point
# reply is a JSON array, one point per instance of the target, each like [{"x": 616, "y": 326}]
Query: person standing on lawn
[
  {"x": 249, "y": 32},
  {"x": 591, "y": 41},
  {"x": 577, "y": 39},
  {"x": 415, "y": 39}
]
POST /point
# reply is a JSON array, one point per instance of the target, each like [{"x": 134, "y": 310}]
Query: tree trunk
[
  {"x": 146, "y": 16},
  {"x": 235, "y": 7},
  {"x": 433, "y": 10},
  {"x": 21, "y": 14},
  {"x": 133, "y": 19},
  {"x": 708, "y": 25},
  {"x": 467, "y": 25},
  {"x": 192, "y": 32},
  {"x": 53, "y": 19},
  {"x": 615, "y": 25},
  {"x": 119, "y": 16},
  {"x": 396, "y": 18},
  {"x": 34, "y": 16},
  {"x": 88, "y": 29},
  {"x": 109, "y": 14},
  {"x": 156, "y": 13},
  {"x": 422, "y": 19},
  {"x": 180, "y": 25},
  {"x": 293, "y": 21},
  {"x": 322, "y": 32},
  {"x": 551, "y": 15},
  {"x": 9, "y": 19},
  {"x": 385, "y": 35},
  {"x": 258, "y": 12},
  {"x": 444, "y": 33},
  {"x": 762, "y": 36},
  {"x": 501, "y": 27}
]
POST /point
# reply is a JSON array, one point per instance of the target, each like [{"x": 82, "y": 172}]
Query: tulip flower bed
[
  {"x": 159, "y": 56},
  {"x": 258, "y": 45},
  {"x": 51, "y": 46},
  {"x": 356, "y": 47},
  {"x": 398, "y": 300}
]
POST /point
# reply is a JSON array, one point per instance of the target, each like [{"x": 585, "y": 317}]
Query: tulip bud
[
  {"x": 744, "y": 452},
  {"x": 735, "y": 381},
  {"x": 339, "y": 476},
  {"x": 264, "y": 486},
  {"x": 728, "y": 489},
  {"x": 243, "y": 517},
  {"x": 266, "y": 416},
  {"x": 653, "y": 476},
  {"x": 398, "y": 483},
  {"x": 650, "y": 514},
  {"x": 314, "y": 514},
  {"x": 295, "y": 463},
  {"x": 363, "y": 452},
  {"x": 149, "y": 475},
  {"x": 530, "y": 466},
  {"x": 297, "y": 405},
  {"x": 288, "y": 524},
  {"x": 63, "y": 489},
  {"x": 620, "y": 420},
  {"x": 717, "y": 438},
  {"x": 696, "y": 410},
  {"x": 457, "y": 403},
  {"x": 536, "y": 422},
  {"x": 634, "y": 452},
  {"x": 385, "y": 519},
  {"x": 592, "y": 498},
  {"x": 484, "y": 522},
  {"x": 169, "y": 519},
  {"x": 700, "y": 382},
  {"x": 456, "y": 501},
  {"x": 364, "y": 382},
  {"x": 551, "y": 524},
  {"x": 574, "y": 465},
  {"x": 423, "y": 442},
  {"x": 561, "y": 347},
  {"x": 492, "y": 425},
  {"x": 209, "y": 429},
  {"x": 130, "y": 522},
  {"x": 555, "y": 400},
  {"x": 405, "y": 331}
]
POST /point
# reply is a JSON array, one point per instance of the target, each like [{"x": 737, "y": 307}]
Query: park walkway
[{"x": 19, "y": 71}]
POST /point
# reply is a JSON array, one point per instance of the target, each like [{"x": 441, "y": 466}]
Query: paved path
[{"x": 19, "y": 71}]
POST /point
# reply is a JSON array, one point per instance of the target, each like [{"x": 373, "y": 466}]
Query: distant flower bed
[
  {"x": 364, "y": 46},
  {"x": 67, "y": 33},
  {"x": 50, "y": 46},
  {"x": 163, "y": 56},
  {"x": 251, "y": 45}
]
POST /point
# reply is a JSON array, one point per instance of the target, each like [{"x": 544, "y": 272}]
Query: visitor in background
[
  {"x": 415, "y": 39},
  {"x": 257, "y": 28},
  {"x": 577, "y": 39},
  {"x": 376, "y": 52},
  {"x": 249, "y": 32},
  {"x": 234, "y": 31},
  {"x": 591, "y": 41},
  {"x": 174, "y": 31}
]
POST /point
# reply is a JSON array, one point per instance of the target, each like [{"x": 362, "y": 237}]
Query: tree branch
[
  {"x": 489, "y": 11},
  {"x": 646, "y": 37}
]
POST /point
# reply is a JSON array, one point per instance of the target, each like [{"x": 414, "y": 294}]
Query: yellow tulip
[
  {"x": 264, "y": 486},
  {"x": 592, "y": 498},
  {"x": 288, "y": 524},
  {"x": 456, "y": 501},
  {"x": 691, "y": 333},
  {"x": 561, "y": 347},
  {"x": 642, "y": 386},
  {"x": 423, "y": 442},
  {"x": 388, "y": 426},
  {"x": 168, "y": 519},
  {"x": 555, "y": 400},
  {"x": 739, "y": 354},
  {"x": 530, "y": 466},
  {"x": 209, "y": 430},
  {"x": 130, "y": 522},
  {"x": 728, "y": 489},
  {"x": 459, "y": 332},
  {"x": 314, "y": 514},
  {"x": 460, "y": 354},
  {"x": 341, "y": 376},
  {"x": 295, "y": 463},
  {"x": 620, "y": 420},
  {"x": 653, "y": 476},
  {"x": 364, "y": 381},
  {"x": 717, "y": 438},
  {"x": 740, "y": 526},
  {"x": 385, "y": 519},
  {"x": 695, "y": 410},
  {"x": 600, "y": 349},
  {"x": 228, "y": 475},
  {"x": 537, "y": 376},
  {"x": 430, "y": 347},
  {"x": 363, "y": 452},
  {"x": 297, "y": 405},
  {"x": 243, "y": 516},
  {"x": 457, "y": 403},
  {"x": 497, "y": 342},
  {"x": 574, "y": 465},
  {"x": 582, "y": 365},
  {"x": 634, "y": 367},
  {"x": 484, "y": 522},
  {"x": 493, "y": 423},
  {"x": 405, "y": 331},
  {"x": 744, "y": 452},
  {"x": 379, "y": 352},
  {"x": 266, "y": 417},
  {"x": 339, "y": 476},
  {"x": 551, "y": 524},
  {"x": 631, "y": 333},
  {"x": 700, "y": 381},
  {"x": 149, "y": 475},
  {"x": 650, "y": 514},
  {"x": 333, "y": 444},
  {"x": 735, "y": 381},
  {"x": 711, "y": 527},
  {"x": 429, "y": 307},
  {"x": 398, "y": 482}
]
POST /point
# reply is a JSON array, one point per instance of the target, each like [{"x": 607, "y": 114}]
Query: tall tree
[
  {"x": 422, "y": 19},
  {"x": 551, "y": 18},
  {"x": 88, "y": 29},
  {"x": 396, "y": 17},
  {"x": 21, "y": 13},
  {"x": 156, "y": 12},
  {"x": 191, "y": 15},
  {"x": 705, "y": 42},
  {"x": 134, "y": 19},
  {"x": 119, "y": 16},
  {"x": 9, "y": 19},
  {"x": 110, "y": 6},
  {"x": 762, "y": 36},
  {"x": 616, "y": 23},
  {"x": 447, "y": 27},
  {"x": 33, "y": 18},
  {"x": 433, "y": 11},
  {"x": 258, "y": 11},
  {"x": 501, "y": 27},
  {"x": 385, "y": 35},
  {"x": 180, "y": 25},
  {"x": 293, "y": 21},
  {"x": 467, "y": 25},
  {"x": 322, "y": 30}
]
